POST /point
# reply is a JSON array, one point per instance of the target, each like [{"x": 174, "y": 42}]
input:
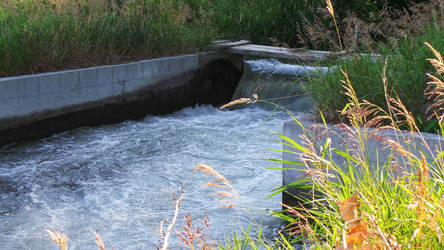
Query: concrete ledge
[
  {"x": 376, "y": 148},
  {"x": 39, "y": 105}
]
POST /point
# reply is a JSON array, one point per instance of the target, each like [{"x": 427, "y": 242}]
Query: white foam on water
[
  {"x": 117, "y": 179},
  {"x": 275, "y": 67}
]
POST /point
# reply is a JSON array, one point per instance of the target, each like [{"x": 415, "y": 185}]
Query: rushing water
[{"x": 117, "y": 179}]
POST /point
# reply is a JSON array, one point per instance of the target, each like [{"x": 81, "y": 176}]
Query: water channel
[{"x": 117, "y": 179}]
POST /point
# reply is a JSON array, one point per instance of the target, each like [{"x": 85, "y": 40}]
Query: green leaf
[
  {"x": 345, "y": 108},
  {"x": 286, "y": 162},
  {"x": 299, "y": 184},
  {"x": 293, "y": 143},
  {"x": 346, "y": 155}
]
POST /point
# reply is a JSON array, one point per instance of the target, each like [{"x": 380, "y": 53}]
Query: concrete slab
[
  {"x": 87, "y": 77},
  {"x": 120, "y": 73},
  {"x": 376, "y": 147},
  {"x": 48, "y": 83},
  {"x": 69, "y": 80},
  {"x": 135, "y": 71},
  {"x": 9, "y": 89}
]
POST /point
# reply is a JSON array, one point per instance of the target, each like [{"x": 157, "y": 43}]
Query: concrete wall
[
  {"x": 183, "y": 80},
  {"x": 376, "y": 149}
]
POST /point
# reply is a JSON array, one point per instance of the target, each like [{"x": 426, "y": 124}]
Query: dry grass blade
[
  {"x": 435, "y": 88},
  {"x": 219, "y": 182},
  {"x": 332, "y": 13},
  {"x": 59, "y": 238},
  {"x": 435, "y": 93},
  {"x": 225, "y": 194},
  {"x": 236, "y": 102},
  {"x": 222, "y": 180},
  {"x": 330, "y": 8},
  {"x": 438, "y": 63},
  {"x": 99, "y": 242}
]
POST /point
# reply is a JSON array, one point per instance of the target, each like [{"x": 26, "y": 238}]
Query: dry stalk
[
  {"x": 237, "y": 102},
  {"x": 166, "y": 236},
  {"x": 99, "y": 242},
  {"x": 435, "y": 88},
  {"x": 191, "y": 234},
  {"x": 332, "y": 13},
  {"x": 219, "y": 182}
]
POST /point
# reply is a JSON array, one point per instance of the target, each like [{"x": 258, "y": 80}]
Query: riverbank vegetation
[
  {"x": 348, "y": 201},
  {"x": 354, "y": 203},
  {"x": 406, "y": 67},
  {"x": 406, "y": 60},
  {"x": 48, "y": 35}
]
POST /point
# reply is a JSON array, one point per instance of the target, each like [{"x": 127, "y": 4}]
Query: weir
[
  {"x": 139, "y": 153},
  {"x": 39, "y": 105},
  {"x": 116, "y": 179}
]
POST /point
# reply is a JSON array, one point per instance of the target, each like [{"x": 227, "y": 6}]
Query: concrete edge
[
  {"x": 208, "y": 78},
  {"x": 376, "y": 151}
]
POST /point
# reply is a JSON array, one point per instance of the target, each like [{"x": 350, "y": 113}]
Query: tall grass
[
  {"x": 265, "y": 21},
  {"x": 47, "y": 35},
  {"x": 44, "y": 35},
  {"x": 398, "y": 204}
]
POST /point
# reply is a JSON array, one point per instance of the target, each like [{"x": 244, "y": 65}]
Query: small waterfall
[{"x": 278, "y": 82}]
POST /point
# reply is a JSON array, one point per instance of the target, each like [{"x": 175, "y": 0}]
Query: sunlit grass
[{"x": 397, "y": 204}]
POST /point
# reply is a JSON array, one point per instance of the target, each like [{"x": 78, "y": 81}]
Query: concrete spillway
[{"x": 116, "y": 179}]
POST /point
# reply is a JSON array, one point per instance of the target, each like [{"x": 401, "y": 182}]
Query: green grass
[
  {"x": 261, "y": 21},
  {"x": 406, "y": 69},
  {"x": 38, "y": 36},
  {"x": 399, "y": 210},
  {"x": 48, "y": 35}
]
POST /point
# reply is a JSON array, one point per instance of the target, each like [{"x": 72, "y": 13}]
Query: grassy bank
[
  {"x": 42, "y": 35},
  {"x": 405, "y": 60},
  {"x": 396, "y": 203},
  {"x": 47, "y": 35}
]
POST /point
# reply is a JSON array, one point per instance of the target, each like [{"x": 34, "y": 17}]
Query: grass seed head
[{"x": 59, "y": 238}]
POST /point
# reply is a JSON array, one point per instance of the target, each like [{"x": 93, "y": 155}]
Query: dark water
[{"x": 117, "y": 180}]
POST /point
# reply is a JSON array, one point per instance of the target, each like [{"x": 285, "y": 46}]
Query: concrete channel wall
[
  {"x": 35, "y": 106},
  {"x": 376, "y": 149}
]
